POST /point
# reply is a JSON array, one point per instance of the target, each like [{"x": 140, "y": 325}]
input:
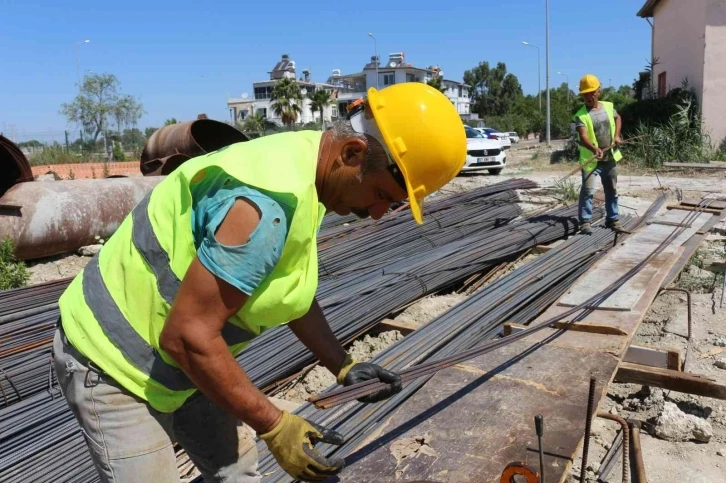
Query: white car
[
  {"x": 492, "y": 133},
  {"x": 514, "y": 137},
  {"x": 483, "y": 153}
]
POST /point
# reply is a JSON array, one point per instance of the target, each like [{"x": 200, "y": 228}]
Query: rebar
[
  {"x": 588, "y": 427},
  {"x": 626, "y": 441}
]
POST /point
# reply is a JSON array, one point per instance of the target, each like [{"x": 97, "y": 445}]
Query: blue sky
[{"x": 182, "y": 57}]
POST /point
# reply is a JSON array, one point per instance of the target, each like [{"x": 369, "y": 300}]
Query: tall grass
[{"x": 681, "y": 139}]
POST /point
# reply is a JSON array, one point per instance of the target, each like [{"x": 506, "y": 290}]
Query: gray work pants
[{"x": 130, "y": 442}]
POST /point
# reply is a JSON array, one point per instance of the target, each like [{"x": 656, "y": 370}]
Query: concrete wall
[
  {"x": 714, "y": 85},
  {"x": 679, "y": 43}
]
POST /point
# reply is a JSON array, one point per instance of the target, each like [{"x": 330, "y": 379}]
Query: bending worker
[
  {"x": 598, "y": 126},
  {"x": 219, "y": 251}
]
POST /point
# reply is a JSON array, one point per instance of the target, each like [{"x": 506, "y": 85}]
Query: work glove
[
  {"x": 292, "y": 443},
  {"x": 353, "y": 372}
]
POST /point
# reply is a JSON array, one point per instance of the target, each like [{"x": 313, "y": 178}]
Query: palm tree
[
  {"x": 436, "y": 83},
  {"x": 319, "y": 99},
  {"x": 256, "y": 123},
  {"x": 287, "y": 100}
]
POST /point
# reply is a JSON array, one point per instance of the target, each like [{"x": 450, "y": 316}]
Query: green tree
[
  {"x": 149, "y": 131},
  {"x": 33, "y": 143},
  {"x": 437, "y": 83},
  {"x": 494, "y": 91},
  {"x": 256, "y": 123},
  {"x": 170, "y": 121},
  {"x": 99, "y": 98},
  {"x": 286, "y": 101},
  {"x": 319, "y": 99}
]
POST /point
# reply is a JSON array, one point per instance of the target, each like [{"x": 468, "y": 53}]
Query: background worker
[
  {"x": 220, "y": 250},
  {"x": 598, "y": 126}
]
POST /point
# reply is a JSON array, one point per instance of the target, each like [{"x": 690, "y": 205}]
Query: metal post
[
  {"x": 375, "y": 52},
  {"x": 539, "y": 74},
  {"x": 78, "y": 63},
  {"x": 547, "y": 68}
]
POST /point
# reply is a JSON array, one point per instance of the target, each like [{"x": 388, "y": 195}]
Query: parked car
[
  {"x": 492, "y": 133},
  {"x": 483, "y": 153},
  {"x": 514, "y": 137}
]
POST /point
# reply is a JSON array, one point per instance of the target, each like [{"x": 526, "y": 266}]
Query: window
[
  {"x": 243, "y": 114},
  {"x": 334, "y": 111},
  {"x": 662, "y": 86},
  {"x": 461, "y": 91},
  {"x": 387, "y": 78},
  {"x": 262, "y": 111},
  {"x": 410, "y": 78},
  {"x": 263, "y": 92}
]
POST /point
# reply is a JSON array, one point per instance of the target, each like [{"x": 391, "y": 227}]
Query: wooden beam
[
  {"x": 653, "y": 357},
  {"x": 404, "y": 327},
  {"x": 671, "y": 380},
  {"x": 713, "y": 165},
  {"x": 692, "y": 208}
]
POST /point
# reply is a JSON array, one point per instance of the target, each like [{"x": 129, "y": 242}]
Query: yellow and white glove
[{"x": 292, "y": 443}]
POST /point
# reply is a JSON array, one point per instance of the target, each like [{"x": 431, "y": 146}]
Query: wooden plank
[
  {"x": 653, "y": 357},
  {"x": 671, "y": 380},
  {"x": 713, "y": 211},
  {"x": 669, "y": 223},
  {"x": 629, "y": 254},
  {"x": 712, "y": 165},
  {"x": 478, "y": 417},
  {"x": 712, "y": 203},
  {"x": 405, "y": 327}
]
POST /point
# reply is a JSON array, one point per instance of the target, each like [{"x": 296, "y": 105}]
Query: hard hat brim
[
  {"x": 415, "y": 202},
  {"x": 587, "y": 91}
]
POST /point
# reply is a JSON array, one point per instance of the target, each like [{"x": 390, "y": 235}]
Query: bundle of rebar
[
  {"x": 355, "y": 301},
  {"x": 519, "y": 296}
]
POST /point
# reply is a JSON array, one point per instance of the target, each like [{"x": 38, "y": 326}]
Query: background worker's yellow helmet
[
  {"x": 422, "y": 133},
  {"x": 589, "y": 83}
]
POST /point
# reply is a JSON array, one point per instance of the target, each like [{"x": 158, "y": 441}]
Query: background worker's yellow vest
[
  {"x": 586, "y": 154},
  {"x": 114, "y": 310}
]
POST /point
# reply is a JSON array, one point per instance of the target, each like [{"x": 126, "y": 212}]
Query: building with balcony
[
  {"x": 396, "y": 71},
  {"x": 260, "y": 102}
]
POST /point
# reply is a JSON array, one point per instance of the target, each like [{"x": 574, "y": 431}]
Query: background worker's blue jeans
[{"x": 608, "y": 171}]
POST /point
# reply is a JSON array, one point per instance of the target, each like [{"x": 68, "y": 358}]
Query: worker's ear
[{"x": 354, "y": 152}]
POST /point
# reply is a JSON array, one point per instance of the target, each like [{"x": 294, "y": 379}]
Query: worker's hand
[
  {"x": 353, "y": 372},
  {"x": 618, "y": 141},
  {"x": 599, "y": 153},
  {"x": 292, "y": 443}
]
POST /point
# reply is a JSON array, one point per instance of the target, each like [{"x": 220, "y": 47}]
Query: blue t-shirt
[{"x": 243, "y": 266}]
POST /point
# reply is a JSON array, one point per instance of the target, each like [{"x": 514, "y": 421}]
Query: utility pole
[
  {"x": 375, "y": 52},
  {"x": 547, "y": 48},
  {"x": 539, "y": 74}
]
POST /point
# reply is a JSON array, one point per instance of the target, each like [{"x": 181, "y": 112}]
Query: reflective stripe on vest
[{"x": 136, "y": 350}]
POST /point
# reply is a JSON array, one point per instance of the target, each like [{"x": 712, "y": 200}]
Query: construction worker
[
  {"x": 219, "y": 251},
  {"x": 598, "y": 126}
]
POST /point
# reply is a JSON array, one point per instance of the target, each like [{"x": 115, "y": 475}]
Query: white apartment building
[
  {"x": 260, "y": 102},
  {"x": 396, "y": 71}
]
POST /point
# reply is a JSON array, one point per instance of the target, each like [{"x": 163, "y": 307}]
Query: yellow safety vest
[
  {"x": 586, "y": 154},
  {"x": 114, "y": 310}
]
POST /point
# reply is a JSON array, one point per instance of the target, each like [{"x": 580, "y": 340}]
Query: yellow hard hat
[
  {"x": 589, "y": 83},
  {"x": 422, "y": 134}
]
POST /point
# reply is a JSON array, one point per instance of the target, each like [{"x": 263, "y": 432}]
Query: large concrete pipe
[
  {"x": 14, "y": 166},
  {"x": 189, "y": 139},
  {"x": 46, "y": 218}
]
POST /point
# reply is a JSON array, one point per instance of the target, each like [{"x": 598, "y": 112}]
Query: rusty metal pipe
[
  {"x": 640, "y": 476},
  {"x": 46, "y": 218},
  {"x": 190, "y": 139},
  {"x": 14, "y": 166},
  {"x": 626, "y": 443}
]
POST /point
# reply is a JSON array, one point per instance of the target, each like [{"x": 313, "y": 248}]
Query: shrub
[{"x": 13, "y": 273}]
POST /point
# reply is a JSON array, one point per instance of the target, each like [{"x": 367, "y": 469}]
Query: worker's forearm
[
  {"x": 208, "y": 363},
  {"x": 618, "y": 126},
  {"x": 313, "y": 330}
]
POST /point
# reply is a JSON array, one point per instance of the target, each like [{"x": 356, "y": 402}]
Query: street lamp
[
  {"x": 547, "y": 69},
  {"x": 375, "y": 52},
  {"x": 568, "y": 85},
  {"x": 78, "y": 64},
  {"x": 539, "y": 75}
]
